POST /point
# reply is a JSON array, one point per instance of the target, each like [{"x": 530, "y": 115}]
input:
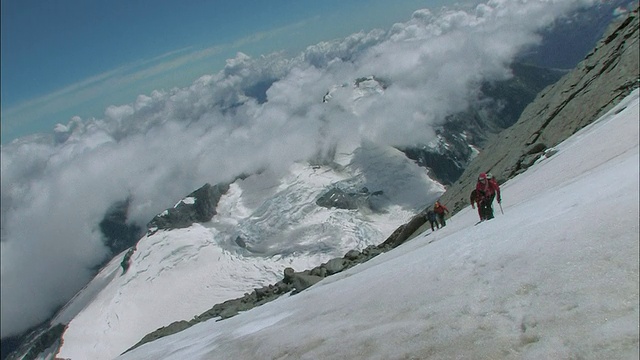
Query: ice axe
[{"x": 500, "y": 203}]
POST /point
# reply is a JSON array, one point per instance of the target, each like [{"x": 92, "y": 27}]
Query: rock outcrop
[
  {"x": 349, "y": 200},
  {"x": 197, "y": 207},
  {"x": 41, "y": 339},
  {"x": 118, "y": 233},
  {"x": 607, "y": 75}
]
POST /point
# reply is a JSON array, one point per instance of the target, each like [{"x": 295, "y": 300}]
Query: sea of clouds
[{"x": 255, "y": 113}]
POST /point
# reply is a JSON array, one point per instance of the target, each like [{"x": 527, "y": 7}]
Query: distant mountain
[{"x": 498, "y": 106}]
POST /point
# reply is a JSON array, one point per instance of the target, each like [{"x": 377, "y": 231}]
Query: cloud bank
[{"x": 256, "y": 112}]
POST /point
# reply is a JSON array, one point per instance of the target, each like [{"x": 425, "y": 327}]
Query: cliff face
[{"x": 606, "y": 75}]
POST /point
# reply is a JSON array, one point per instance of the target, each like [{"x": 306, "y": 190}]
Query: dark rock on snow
[
  {"x": 184, "y": 214},
  {"x": 118, "y": 233},
  {"x": 349, "y": 200}
]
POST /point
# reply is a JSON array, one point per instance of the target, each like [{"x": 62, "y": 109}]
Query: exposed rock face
[
  {"x": 562, "y": 47},
  {"x": 119, "y": 234},
  {"x": 607, "y": 75},
  {"x": 341, "y": 199},
  {"x": 197, "y": 207},
  {"x": 40, "y": 340}
]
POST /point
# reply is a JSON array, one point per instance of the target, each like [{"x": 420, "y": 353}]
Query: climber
[
  {"x": 488, "y": 189},
  {"x": 440, "y": 210},
  {"x": 431, "y": 217}
]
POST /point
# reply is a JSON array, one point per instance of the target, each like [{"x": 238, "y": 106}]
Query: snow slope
[
  {"x": 555, "y": 277},
  {"x": 175, "y": 275}
]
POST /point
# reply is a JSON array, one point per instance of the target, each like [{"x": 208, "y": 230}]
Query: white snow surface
[
  {"x": 177, "y": 274},
  {"x": 554, "y": 277}
]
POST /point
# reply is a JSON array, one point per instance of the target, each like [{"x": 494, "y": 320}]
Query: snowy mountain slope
[
  {"x": 232, "y": 239},
  {"x": 177, "y": 274},
  {"x": 555, "y": 277}
]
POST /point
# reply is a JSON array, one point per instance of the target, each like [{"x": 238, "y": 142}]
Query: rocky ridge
[{"x": 197, "y": 207}]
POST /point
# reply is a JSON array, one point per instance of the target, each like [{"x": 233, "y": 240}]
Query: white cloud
[{"x": 254, "y": 113}]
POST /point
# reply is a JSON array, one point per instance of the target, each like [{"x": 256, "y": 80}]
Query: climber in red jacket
[
  {"x": 487, "y": 190},
  {"x": 440, "y": 210}
]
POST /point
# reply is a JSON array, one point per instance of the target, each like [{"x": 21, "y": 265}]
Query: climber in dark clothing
[{"x": 431, "y": 217}]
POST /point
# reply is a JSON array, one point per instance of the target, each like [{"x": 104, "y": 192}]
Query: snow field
[{"x": 555, "y": 277}]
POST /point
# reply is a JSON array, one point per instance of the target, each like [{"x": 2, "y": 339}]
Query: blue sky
[{"x": 75, "y": 57}]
